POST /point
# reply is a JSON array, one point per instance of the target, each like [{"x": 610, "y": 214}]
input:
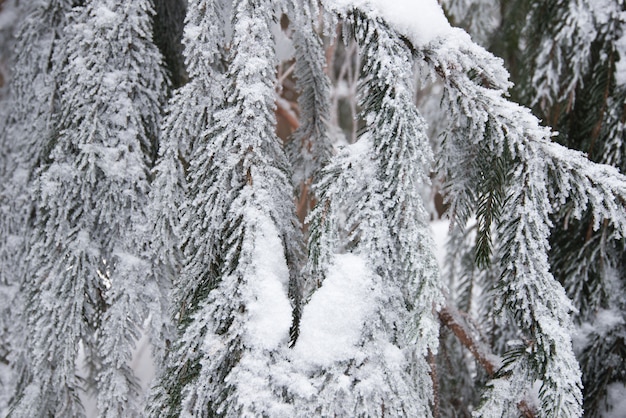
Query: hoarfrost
[{"x": 620, "y": 64}]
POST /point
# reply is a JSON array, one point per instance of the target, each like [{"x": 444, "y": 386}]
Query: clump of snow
[
  {"x": 270, "y": 312},
  {"x": 421, "y": 21},
  {"x": 192, "y": 31},
  {"x": 333, "y": 320},
  {"x": 111, "y": 79},
  {"x": 105, "y": 17}
]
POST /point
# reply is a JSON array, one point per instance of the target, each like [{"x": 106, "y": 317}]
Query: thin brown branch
[
  {"x": 526, "y": 410},
  {"x": 451, "y": 318},
  {"x": 303, "y": 205},
  {"x": 287, "y": 114},
  {"x": 433, "y": 375}
]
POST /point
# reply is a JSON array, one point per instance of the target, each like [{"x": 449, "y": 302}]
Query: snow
[
  {"x": 620, "y": 64},
  {"x": 440, "y": 230},
  {"x": 332, "y": 321},
  {"x": 270, "y": 312},
  {"x": 111, "y": 79},
  {"x": 284, "y": 46},
  {"x": 421, "y": 21},
  {"x": 193, "y": 32},
  {"x": 105, "y": 17},
  {"x": 616, "y": 397},
  {"x": 604, "y": 321}
]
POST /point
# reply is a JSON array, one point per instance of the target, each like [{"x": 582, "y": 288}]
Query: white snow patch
[
  {"x": 393, "y": 355},
  {"x": 112, "y": 79},
  {"x": 616, "y": 398},
  {"x": 359, "y": 154},
  {"x": 620, "y": 64},
  {"x": 284, "y": 47},
  {"x": 333, "y": 320},
  {"x": 604, "y": 321},
  {"x": 440, "y": 230},
  {"x": 192, "y": 32},
  {"x": 419, "y": 20},
  {"x": 270, "y": 312},
  {"x": 105, "y": 17}
]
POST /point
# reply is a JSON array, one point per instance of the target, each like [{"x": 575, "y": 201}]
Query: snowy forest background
[{"x": 231, "y": 208}]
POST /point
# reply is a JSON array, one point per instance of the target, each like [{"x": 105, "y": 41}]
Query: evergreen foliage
[
  {"x": 311, "y": 145},
  {"x": 86, "y": 285},
  {"x": 482, "y": 114},
  {"x": 578, "y": 87},
  {"x": 374, "y": 183},
  {"x": 26, "y": 119},
  {"x": 238, "y": 177},
  {"x": 189, "y": 117},
  {"x": 182, "y": 219},
  {"x": 573, "y": 80}
]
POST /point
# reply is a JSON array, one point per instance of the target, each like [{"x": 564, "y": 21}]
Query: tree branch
[{"x": 452, "y": 318}]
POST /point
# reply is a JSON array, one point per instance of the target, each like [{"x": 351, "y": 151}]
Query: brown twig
[
  {"x": 450, "y": 318},
  {"x": 433, "y": 375},
  {"x": 453, "y": 319},
  {"x": 287, "y": 115},
  {"x": 303, "y": 205}
]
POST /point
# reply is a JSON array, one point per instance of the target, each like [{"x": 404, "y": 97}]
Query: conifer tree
[
  {"x": 310, "y": 145},
  {"x": 189, "y": 117},
  {"x": 237, "y": 280},
  {"x": 375, "y": 182},
  {"x": 10, "y": 16},
  {"x": 167, "y": 194},
  {"x": 525, "y": 288},
  {"x": 578, "y": 86},
  {"x": 203, "y": 223},
  {"x": 87, "y": 273},
  {"x": 572, "y": 79},
  {"x": 493, "y": 193},
  {"x": 26, "y": 119}
]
